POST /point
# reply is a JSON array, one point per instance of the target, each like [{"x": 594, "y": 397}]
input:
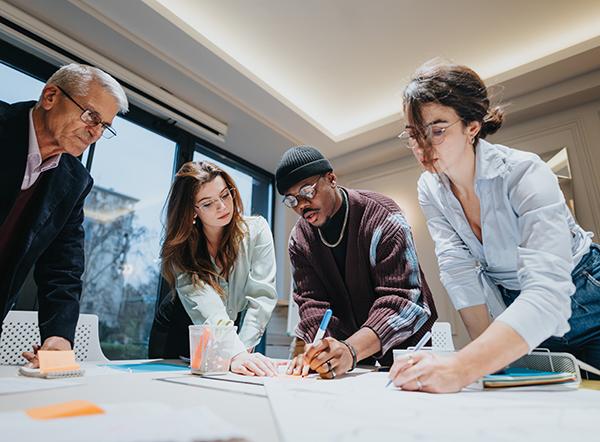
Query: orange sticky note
[
  {"x": 200, "y": 348},
  {"x": 52, "y": 361},
  {"x": 65, "y": 409}
]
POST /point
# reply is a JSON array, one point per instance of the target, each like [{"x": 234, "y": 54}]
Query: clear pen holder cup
[{"x": 211, "y": 348}]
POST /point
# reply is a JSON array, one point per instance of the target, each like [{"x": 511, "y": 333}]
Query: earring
[{"x": 194, "y": 222}]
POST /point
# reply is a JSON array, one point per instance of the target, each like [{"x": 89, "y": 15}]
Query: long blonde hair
[{"x": 184, "y": 247}]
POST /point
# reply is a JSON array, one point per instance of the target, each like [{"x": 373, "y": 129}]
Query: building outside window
[{"x": 132, "y": 174}]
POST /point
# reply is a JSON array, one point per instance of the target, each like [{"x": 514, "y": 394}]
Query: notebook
[
  {"x": 520, "y": 377},
  {"x": 53, "y": 365},
  {"x": 37, "y": 373}
]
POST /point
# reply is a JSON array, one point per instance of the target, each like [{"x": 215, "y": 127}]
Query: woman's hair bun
[{"x": 492, "y": 121}]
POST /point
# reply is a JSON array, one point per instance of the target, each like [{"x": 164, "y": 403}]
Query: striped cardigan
[{"x": 384, "y": 287}]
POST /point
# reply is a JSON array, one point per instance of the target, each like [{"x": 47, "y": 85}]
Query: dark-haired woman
[
  {"x": 219, "y": 262},
  {"x": 519, "y": 269}
]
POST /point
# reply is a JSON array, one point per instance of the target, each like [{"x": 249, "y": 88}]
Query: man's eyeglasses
[
  {"x": 434, "y": 134},
  {"x": 92, "y": 118},
  {"x": 307, "y": 192},
  {"x": 210, "y": 205}
]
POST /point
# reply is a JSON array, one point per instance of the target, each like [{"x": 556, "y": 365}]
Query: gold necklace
[{"x": 337, "y": 243}]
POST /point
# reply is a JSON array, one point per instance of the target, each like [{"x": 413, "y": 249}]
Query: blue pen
[
  {"x": 319, "y": 335},
  {"x": 323, "y": 326},
  {"x": 418, "y": 347}
]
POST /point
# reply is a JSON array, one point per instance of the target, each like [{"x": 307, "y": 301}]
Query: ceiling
[
  {"x": 342, "y": 64},
  {"x": 330, "y": 73}
]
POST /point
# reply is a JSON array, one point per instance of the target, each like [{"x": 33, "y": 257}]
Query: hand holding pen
[
  {"x": 303, "y": 362},
  {"x": 317, "y": 340},
  {"x": 409, "y": 360}
]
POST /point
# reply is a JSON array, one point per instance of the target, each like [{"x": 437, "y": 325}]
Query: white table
[{"x": 252, "y": 413}]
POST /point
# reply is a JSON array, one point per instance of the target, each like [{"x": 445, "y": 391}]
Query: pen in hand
[
  {"x": 418, "y": 347},
  {"x": 319, "y": 335}
]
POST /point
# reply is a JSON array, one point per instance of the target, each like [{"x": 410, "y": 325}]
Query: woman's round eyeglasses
[
  {"x": 434, "y": 134},
  {"x": 209, "y": 205}
]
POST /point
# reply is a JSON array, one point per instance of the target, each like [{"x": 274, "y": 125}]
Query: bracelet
[{"x": 352, "y": 352}]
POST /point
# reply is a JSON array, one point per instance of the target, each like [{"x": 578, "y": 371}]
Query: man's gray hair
[{"x": 76, "y": 79}]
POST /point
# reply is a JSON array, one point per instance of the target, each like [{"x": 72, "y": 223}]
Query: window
[
  {"x": 17, "y": 86},
  {"x": 132, "y": 174}
]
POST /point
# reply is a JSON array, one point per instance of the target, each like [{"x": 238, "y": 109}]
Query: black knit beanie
[{"x": 299, "y": 163}]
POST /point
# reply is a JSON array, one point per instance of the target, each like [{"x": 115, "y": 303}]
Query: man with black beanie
[{"x": 352, "y": 252}]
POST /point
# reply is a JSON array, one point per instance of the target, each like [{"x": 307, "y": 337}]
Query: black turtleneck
[{"x": 331, "y": 232}]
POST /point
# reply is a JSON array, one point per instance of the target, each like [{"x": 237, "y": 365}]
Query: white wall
[
  {"x": 578, "y": 129},
  {"x": 284, "y": 221}
]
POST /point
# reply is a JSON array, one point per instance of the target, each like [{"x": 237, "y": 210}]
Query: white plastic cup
[
  {"x": 199, "y": 342},
  {"x": 211, "y": 348}
]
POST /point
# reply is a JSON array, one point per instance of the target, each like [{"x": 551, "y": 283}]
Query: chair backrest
[
  {"x": 441, "y": 336},
  {"x": 20, "y": 330}
]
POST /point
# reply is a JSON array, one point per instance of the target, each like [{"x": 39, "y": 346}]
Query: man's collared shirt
[{"x": 35, "y": 167}]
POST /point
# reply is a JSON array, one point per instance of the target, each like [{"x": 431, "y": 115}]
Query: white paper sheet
[
  {"x": 253, "y": 389},
  {"x": 362, "y": 409},
  {"x": 96, "y": 369},
  {"x": 235, "y": 382},
  {"x": 233, "y": 377},
  {"x": 139, "y": 422},
  {"x": 20, "y": 384}
]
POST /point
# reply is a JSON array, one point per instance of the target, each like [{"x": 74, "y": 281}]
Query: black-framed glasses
[
  {"x": 225, "y": 197},
  {"x": 434, "y": 133},
  {"x": 92, "y": 118},
  {"x": 307, "y": 192}
]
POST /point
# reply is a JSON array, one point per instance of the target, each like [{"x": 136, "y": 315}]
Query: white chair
[
  {"x": 441, "y": 337},
  {"x": 20, "y": 330}
]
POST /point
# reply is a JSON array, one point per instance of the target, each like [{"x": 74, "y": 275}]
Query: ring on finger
[
  {"x": 332, "y": 374},
  {"x": 419, "y": 384},
  {"x": 329, "y": 368}
]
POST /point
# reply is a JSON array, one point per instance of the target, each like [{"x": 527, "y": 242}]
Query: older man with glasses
[
  {"x": 42, "y": 191},
  {"x": 352, "y": 252}
]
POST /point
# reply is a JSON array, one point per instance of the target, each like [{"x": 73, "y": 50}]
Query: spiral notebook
[
  {"x": 522, "y": 377},
  {"x": 54, "y": 365}
]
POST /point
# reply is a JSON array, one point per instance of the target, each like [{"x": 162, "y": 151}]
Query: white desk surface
[{"x": 251, "y": 413}]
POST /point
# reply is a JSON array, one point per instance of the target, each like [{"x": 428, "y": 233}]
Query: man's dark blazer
[{"x": 54, "y": 237}]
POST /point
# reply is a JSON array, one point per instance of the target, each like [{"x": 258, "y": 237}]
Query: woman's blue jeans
[{"x": 583, "y": 340}]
